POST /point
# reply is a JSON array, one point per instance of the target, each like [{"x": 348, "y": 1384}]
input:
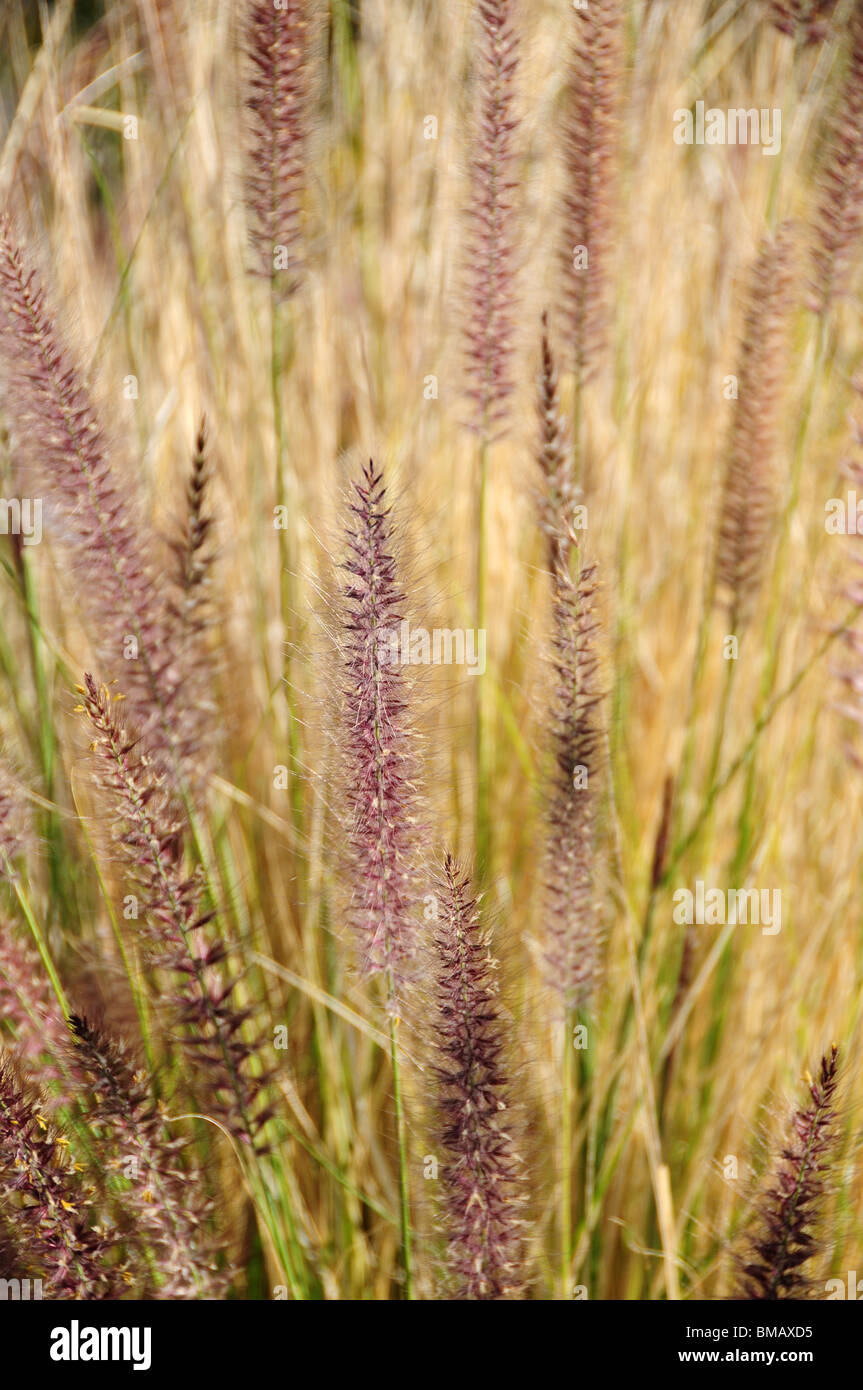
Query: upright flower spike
[
  {"x": 192, "y": 547},
  {"x": 277, "y": 100},
  {"x": 591, "y": 156},
  {"x": 62, "y": 455},
  {"x": 749, "y": 497},
  {"x": 169, "y": 1207},
  {"x": 490, "y": 260},
  {"x": 44, "y": 1204},
  {"x": 173, "y": 917},
  {"x": 789, "y": 1210},
  {"x": 557, "y": 498},
  {"x": 839, "y": 217},
  {"x": 377, "y": 739},
  {"x": 191, "y": 611},
  {"x": 571, "y": 945},
  {"x": 481, "y": 1172},
  {"x": 571, "y": 928}
]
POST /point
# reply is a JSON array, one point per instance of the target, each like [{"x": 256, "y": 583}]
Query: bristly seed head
[
  {"x": 482, "y": 1173},
  {"x": 559, "y": 492},
  {"x": 378, "y": 743},
  {"x": 168, "y": 1202},
  {"x": 173, "y": 918},
  {"x": 46, "y": 1210},
  {"x": 807, "y": 21},
  {"x": 839, "y": 219},
  {"x": 591, "y": 155},
  {"x": 749, "y": 498},
  {"x": 571, "y": 927},
  {"x": 490, "y": 259},
  {"x": 277, "y": 100},
  {"x": 62, "y": 451},
  {"x": 790, "y": 1208}
]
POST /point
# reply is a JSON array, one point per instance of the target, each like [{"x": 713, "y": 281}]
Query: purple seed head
[
  {"x": 46, "y": 1207},
  {"x": 491, "y": 224},
  {"x": 61, "y": 452},
  {"x": 481, "y": 1171},
  {"x": 277, "y": 102},
  {"x": 175, "y": 922},
  {"x": 749, "y": 496},
  {"x": 572, "y": 936},
  {"x": 378, "y": 741},
  {"x": 165, "y": 1201},
  {"x": 790, "y": 1209},
  {"x": 591, "y": 156}
]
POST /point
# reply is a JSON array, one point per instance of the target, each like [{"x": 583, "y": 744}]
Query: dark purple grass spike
[
  {"x": 807, "y": 21},
  {"x": 45, "y": 1204},
  {"x": 173, "y": 914},
  {"x": 481, "y": 1171},
  {"x": 490, "y": 273},
  {"x": 591, "y": 155},
  {"x": 750, "y": 491},
  {"x": 277, "y": 101},
  {"x": 790, "y": 1209},
  {"x": 378, "y": 740},
  {"x": 168, "y": 1205},
  {"x": 62, "y": 455},
  {"x": 572, "y": 937}
]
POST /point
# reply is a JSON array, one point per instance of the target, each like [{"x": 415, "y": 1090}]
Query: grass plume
[
  {"x": 43, "y": 1204},
  {"x": 789, "y": 1210},
  {"x": 491, "y": 222},
  {"x": 277, "y": 101},
  {"x": 166, "y": 1204},
  {"x": 839, "y": 216},
  {"x": 62, "y": 451},
  {"x": 590, "y": 141},
  {"x": 750, "y": 496},
  {"x": 481, "y": 1178},
  {"x": 378, "y": 744},
  {"x": 173, "y": 916}
]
